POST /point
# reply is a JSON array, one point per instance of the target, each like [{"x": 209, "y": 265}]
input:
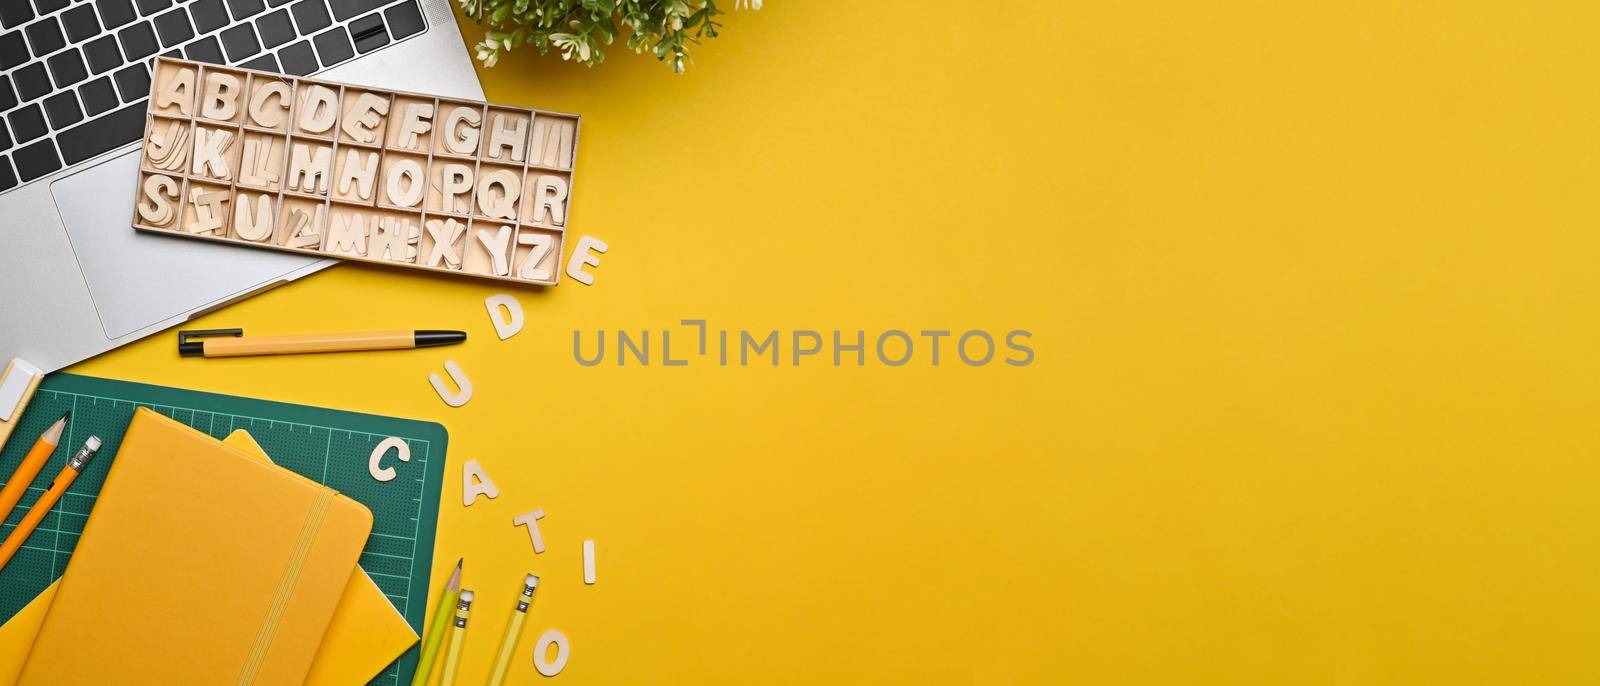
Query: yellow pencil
[
  {"x": 441, "y": 621},
  {"x": 31, "y": 464},
  {"x": 502, "y": 662},
  {"x": 458, "y": 634},
  {"x": 41, "y": 507}
]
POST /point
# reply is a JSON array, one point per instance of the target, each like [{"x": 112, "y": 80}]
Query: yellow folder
[{"x": 365, "y": 635}]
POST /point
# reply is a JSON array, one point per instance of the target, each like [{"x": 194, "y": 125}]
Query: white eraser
[
  {"x": 466, "y": 595},
  {"x": 15, "y": 385},
  {"x": 93, "y": 443}
]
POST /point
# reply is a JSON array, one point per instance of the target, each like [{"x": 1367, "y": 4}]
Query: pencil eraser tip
[
  {"x": 531, "y": 580},
  {"x": 467, "y": 596},
  {"x": 93, "y": 443}
]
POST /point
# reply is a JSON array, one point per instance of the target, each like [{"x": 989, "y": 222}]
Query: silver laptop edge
[{"x": 49, "y": 313}]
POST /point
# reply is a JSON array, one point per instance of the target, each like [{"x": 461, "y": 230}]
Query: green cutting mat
[{"x": 329, "y": 446}]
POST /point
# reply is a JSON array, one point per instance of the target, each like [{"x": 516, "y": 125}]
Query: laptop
[{"x": 75, "y": 278}]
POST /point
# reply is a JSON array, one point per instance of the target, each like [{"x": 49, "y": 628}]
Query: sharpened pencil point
[
  {"x": 52, "y": 435},
  {"x": 454, "y": 583}
]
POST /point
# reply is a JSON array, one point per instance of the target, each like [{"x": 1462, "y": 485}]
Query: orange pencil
[
  {"x": 31, "y": 464},
  {"x": 41, "y": 507}
]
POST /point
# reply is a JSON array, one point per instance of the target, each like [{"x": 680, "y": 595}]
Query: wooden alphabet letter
[
  {"x": 452, "y": 399},
  {"x": 264, "y": 114},
  {"x": 497, "y": 244},
  {"x": 361, "y": 121},
  {"x": 402, "y": 451},
  {"x": 581, "y": 257},
  {"x": 160, "y": 199},
  {"x": 476, "y": 482},
  {"x": 416, "y": 119},
  {"x": 404, "y": 183},
  {"x": 256, "y": 224},
  {"x": 531, "y": 520},
  {"x": 255, "y": 162},
  {"x": 167, "y": 149},
  {"x": 503, "y": 327},
  {"x": 358, "y": 173},
  {"x": 208, "y": 155},
  {"x": 308, "y": 168},
  {"x": 302, "y": 230},
  {"x": 221, "y": 100},
  {"x": 208, "y": 211},
  {"x": 443, "y": 232},
  {"x": 394, "y": 238},
  {"x": 498, "y": 191},
  {"x": 179, "y": 91},
  {"x": 347, "y": 234},
  {"x": 541, "y": 244},
  {"x": 461, "y": 130},
  {"x": 455, "y": 185},
  {"x": 509, "y": 134},
  {"x": 319, "y": 107},
  {"x": 552, "y": 142},
  {"x": 549, "y": 198}
]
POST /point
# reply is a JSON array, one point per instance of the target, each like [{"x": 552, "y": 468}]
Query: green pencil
[{"x": 441, "y": 620}]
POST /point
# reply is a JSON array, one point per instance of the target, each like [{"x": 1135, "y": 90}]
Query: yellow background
[{"x": 1312, "y": 289}]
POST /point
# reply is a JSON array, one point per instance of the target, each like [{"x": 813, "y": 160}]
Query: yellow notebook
[
  {"x": 199, "y": 565},
  {"x": 365, "y": 635}
]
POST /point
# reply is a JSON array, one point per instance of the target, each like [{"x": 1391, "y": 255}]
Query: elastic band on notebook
[{"x": 286, "y": 586}]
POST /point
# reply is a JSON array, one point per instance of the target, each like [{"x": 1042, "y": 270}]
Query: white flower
[{"x": 751, "y": 4}]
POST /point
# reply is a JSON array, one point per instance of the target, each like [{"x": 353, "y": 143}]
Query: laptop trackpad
[{"x": 139, "y": 278}]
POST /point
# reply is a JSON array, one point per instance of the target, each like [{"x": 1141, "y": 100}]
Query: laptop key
[
  {"x": 80, "y": 23},
  {"x": 277, "y": 3},
  {"x": 27, "y": 123},
  {"x": 311, "y": 16},
  {"x": 208, "y": 15},
  {"x": 133, "y": 82},
  {"x": 205, "y": 50},
  {"x": 98, "y": 95},
  {"x": 45, "y": 36},
  {"x": 368, "y": 33},
  {"x": 8, "y": 178},
  {"x": 63, "y": 109},
  {"x": 298, "y": 59},
  {"x": 15, "y": 13},
  {"x": 32, "y": 83},
  {"x": 275, "y": 28},
  {"x": 345, "y": 9},
  {"x": 404, "y": 20},
  {"x": 13, "y": 50},
  {"x": 103, "y": 54},
  {"x": 149, "y": 7},
  {"x": 48, "y": 6},
  {"x": 246, "y": 8},
  {"x": 67, "y": 68},
  {"x": 8, "y": 97},
  {"x": 36, "y": 160},
  {"x": 5, "y": 139},
  {"x": 138, "y": 41},
  {"x": 173, "y": 27},
  {"x": 104, "y": 133},
  {"x": 333, "y": 46},
  {"x": 240, "y": 42},
  {"x": 265, "y": 62},
  {"x": 114, "y": 13}
]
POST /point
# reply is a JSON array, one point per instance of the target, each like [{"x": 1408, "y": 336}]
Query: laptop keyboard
[{"x": 74, "y": 74}]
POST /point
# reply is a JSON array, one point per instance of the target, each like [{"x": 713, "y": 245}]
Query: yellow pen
[
  {"x": 458, "y": 634},
  {"x": 502, "y": 662}
]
